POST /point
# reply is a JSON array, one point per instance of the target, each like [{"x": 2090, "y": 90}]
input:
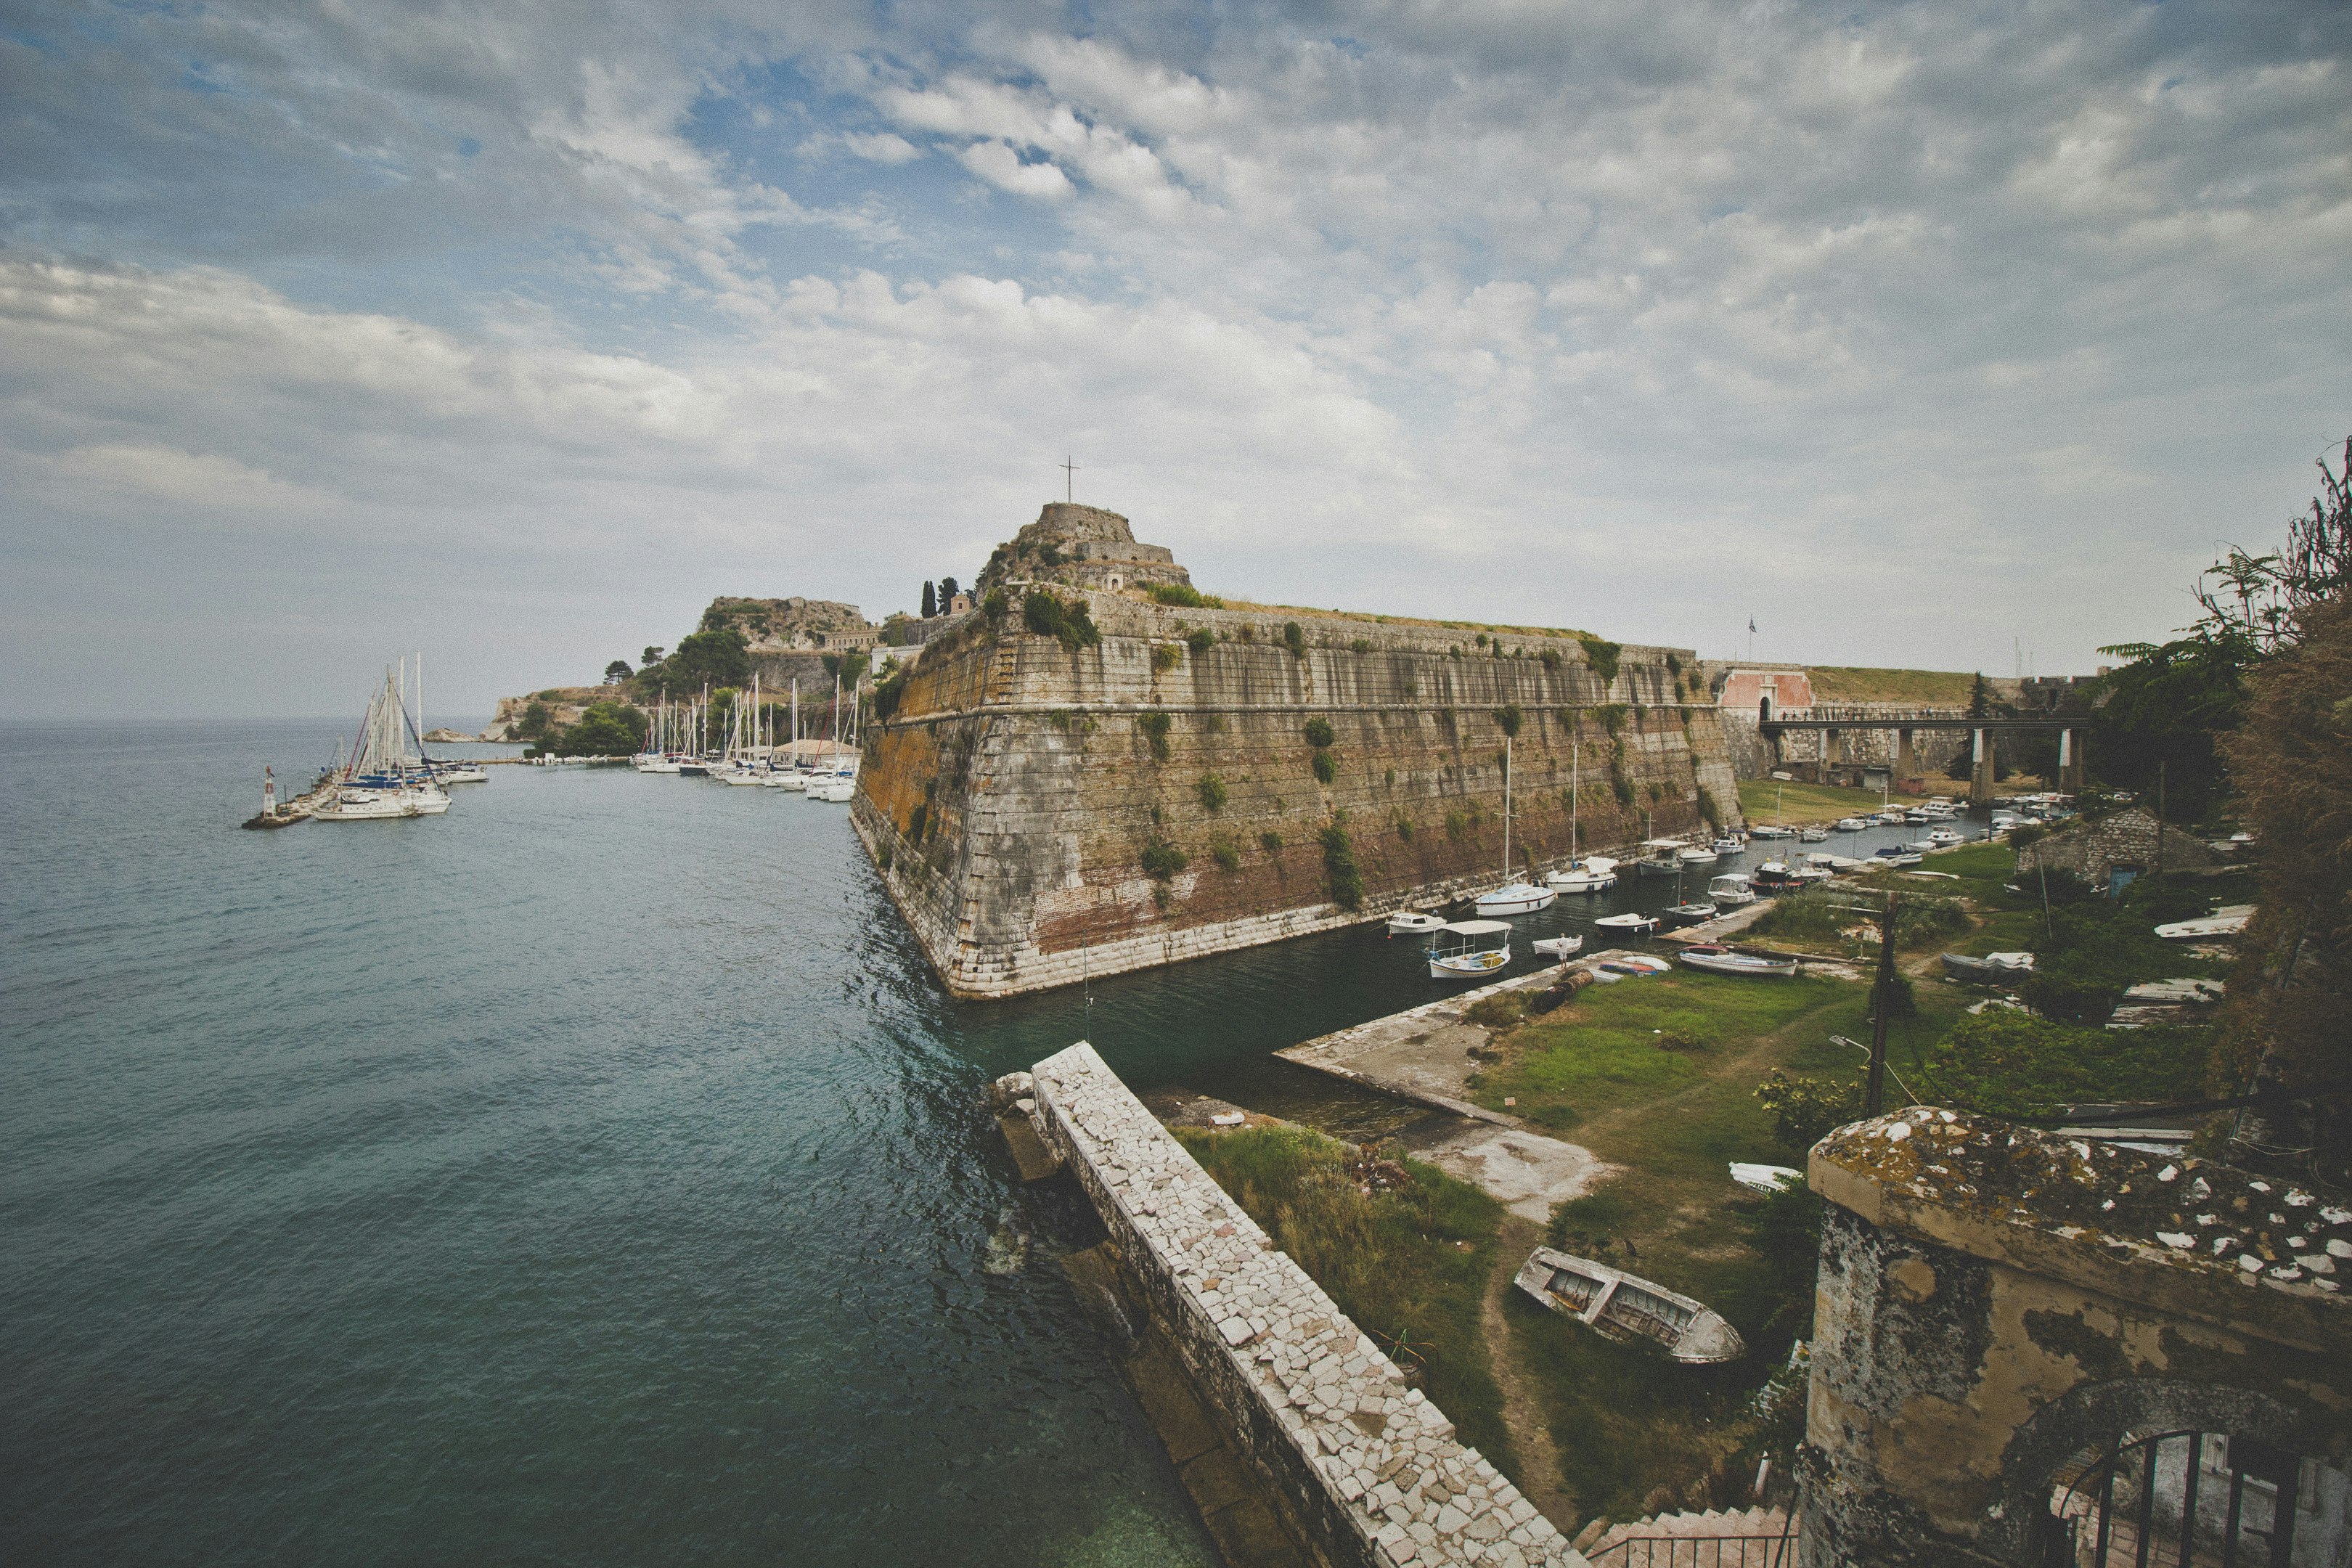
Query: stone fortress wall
[
  {"x": 1012, "y": 798},
  {"x": 1366, "y": 1469}
]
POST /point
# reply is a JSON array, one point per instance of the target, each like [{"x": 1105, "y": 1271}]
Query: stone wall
[
  {"x": 1993, "y": 1301},
  {"x": 1367, "y": 1467},
  {"x": 2129, "y": 840},
  {"x": 1011, "y": 797}
]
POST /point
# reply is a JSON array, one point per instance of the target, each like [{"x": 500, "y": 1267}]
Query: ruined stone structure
[
  {"x": 1081, "y": 547},
  {"x": 2001, "y": 1310},
  {"x": 792, "y": 625},
  {"x": 1366, "y": 1470},
  {"x": 2112, "y": 851},
  {"x": 1209, "y": 779}
]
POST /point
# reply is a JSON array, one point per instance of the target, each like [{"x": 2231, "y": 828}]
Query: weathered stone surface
[
  {"x": 1350, "y": 1457},
  {"x": 1011, "y": 796}
]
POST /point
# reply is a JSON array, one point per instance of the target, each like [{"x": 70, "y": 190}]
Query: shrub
[
  {"x": 1318, "y": 732},
  {"x": 1340, "y": 869},
  {"x": 1592, "y": 1224},
  {"x": 1404, "y": 827},
  {"x": 1503, "y": 1010},
  {"x": 1601, "y": 658},
  {"x": 1805, "y": 1108},
  {"x": 1360, "y": 645},
  {"x": 2007, "y": 1063},
  {"x": 1160, "y": 860},
  {"x": 1155, "y": 726},
  {"x": 1200, "y": 638},
  {"x": 1226, "y": 854},
  {"x": 1327, "y": 767},
  {"x": 1166, "y": 656},
  {"x": 1212, "y": 792},
  {"x": 1807, "y": 915},
  {"x": 552, "y": 694},
  {"x": 1270, "y": 841},
  {"x": 1709, "y": 810},
  {"x": 1184, "y": 596},
  {"x": 887, "y": 857},
  {"x": 1612, "y": 718},
  {"x": 1294, "y": 638},
  {"x": 1922, "y": 922},
  {"x": 1550, "y": 658},
  {"x": 1620, "y": 786},
  {"x": 993, "y": 606},
  {"x": 1508, "y": 719},
  {"x": 1049, "y": 614},
  {"x": 916, "y": 820},
  {"x": 1456, "y": 825},
  {"x": 2031, "y": 833},
  {"x": 1480, "y": 639}
]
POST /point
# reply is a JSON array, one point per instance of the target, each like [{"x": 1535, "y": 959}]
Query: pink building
[{"x": 1767, "y": 693}]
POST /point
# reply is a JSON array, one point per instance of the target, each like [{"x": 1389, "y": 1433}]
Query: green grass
[
  {"x": 1409, "y": 1266},
  {"x": 1925, "y": 687},
  {"x": 1801, "y": 803},
  {"x": 1624, "y": 1422}
]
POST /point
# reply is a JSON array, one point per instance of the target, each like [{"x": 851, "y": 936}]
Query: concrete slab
[{"x": 1527, "y": 1172}]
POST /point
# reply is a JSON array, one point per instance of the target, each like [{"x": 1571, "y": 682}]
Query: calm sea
[{"x": 594, "y": 1175}]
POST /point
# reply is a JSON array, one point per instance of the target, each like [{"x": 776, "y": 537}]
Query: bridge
[{"x": 1984, "y": 732}]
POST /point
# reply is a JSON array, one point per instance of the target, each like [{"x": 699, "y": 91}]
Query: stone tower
[{"x": 1081, "y": 547}]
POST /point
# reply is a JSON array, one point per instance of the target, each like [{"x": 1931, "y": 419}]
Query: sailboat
[
  {"x": 1518, "y": 898},
  {"x": 1774, "y": 828},
  {"x": 383, "y": 778},
  {"x": 791, "y": 776},
  {"x": 1591, "y": 875}
]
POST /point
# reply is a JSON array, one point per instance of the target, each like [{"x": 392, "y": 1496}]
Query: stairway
[{"x": 1733, "y": 1538}]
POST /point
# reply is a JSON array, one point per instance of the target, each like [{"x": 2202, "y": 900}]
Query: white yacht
[
  {"x": 1518, "y": 897},
  {"x": 1414, "y": 922},
  {"x": 1731, "y": 890},
  {"x": 1593, "y": 874}
]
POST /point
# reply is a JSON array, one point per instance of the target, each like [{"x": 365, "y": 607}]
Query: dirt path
[{"x": 1523, "y": 1415}]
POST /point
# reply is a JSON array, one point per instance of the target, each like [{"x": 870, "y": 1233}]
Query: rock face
[
  {"x": 1209, "y": 779},
  {"x": 1082, "y": 547}
]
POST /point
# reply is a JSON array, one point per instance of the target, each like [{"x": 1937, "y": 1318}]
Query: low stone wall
[{"x": 1366, "y": 1466}]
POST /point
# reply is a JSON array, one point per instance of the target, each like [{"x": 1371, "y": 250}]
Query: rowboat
[
  {"x": 1634, "y": 964},
  {"x": 1723, "y": 961},
  {"x": 1560, "y": 946},
  {"x": 1622, "y": 1307},
  {"x": 1634, "y": 923},
  {"x": 1463, "y": 949},
  {"x": 1690, "y": 914}
]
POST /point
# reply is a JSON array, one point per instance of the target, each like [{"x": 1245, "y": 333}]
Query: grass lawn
[
  {"x": 1410, "y": 1266},
  {"x": 1800, "y": 802},
  {"x": 1626, "y": 1423}
]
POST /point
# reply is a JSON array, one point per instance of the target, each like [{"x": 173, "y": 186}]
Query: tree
[
  {"x": 651, "y": 655},
  {"x": 1981, "y": 698},
  {"x": 720, "y": 658},
  {"x": 605, "y": 730},
  {"x": 930, "y": 601},
  {"x": 947, "y": 593},
  {"x": 535, "y": 720},
  {"x": 617, "y": 671}
]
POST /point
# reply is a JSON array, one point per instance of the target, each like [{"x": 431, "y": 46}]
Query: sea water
[{"x": 594, "y": 1175}]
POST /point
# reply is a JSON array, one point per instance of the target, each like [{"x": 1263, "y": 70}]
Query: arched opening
[{"x": 1764, "y": 711}]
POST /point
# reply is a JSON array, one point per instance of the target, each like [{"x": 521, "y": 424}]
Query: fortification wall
[
  {"x": 1365, "y": 1465},
  {"x": 1010, "y": 799}
]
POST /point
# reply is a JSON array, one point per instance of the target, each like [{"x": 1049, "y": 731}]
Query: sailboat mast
[
  {"x": 1575, "y": 788},
  {"x": 1506, "y": 808}
]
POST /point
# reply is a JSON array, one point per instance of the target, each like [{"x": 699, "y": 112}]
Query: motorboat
[
  {"x": 1727, "y": 844},
  {"x": 1560, "y": 946},
  {"x": 1945, "y": 838},
  {"x": 1892, "y": 818},
  {"x": 786, "y": 778},
  {"x": 1731, "y": 890},
  {"x": 1516, "y": 898},
  {"x": 1918, "y": 814},
  {"x": 1414, "y": 922},
  {"x": 839, "y": 787},
  {"x": 2227, "y": 920},
  {"x": 460, "y": 773},
  {"x": 1773, "y": 877},
  {"x": 1770, "y": 830},
  {"x": 1723, "y": 961},
  {"x": 1639, "y": 923},
  {"x": 1469, "y": 950},
  {"x": 1851, "y": 825},
  {"x": 1829, "y": 864},
  {"x": 1623, "y": 1306},
  {"x": 1593, "y": 874},
  {"x": 1691, "y": 855},
  {"x": 1992, "y": 969},
  {"x": 1661, "y": 858},
  {"x": 1896, "y": 854},
  {"x": 1690, "y": 914},
  {"x": 1813, "y": 836}
]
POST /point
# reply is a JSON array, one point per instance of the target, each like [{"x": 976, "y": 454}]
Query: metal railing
[{"x": 1662, "y": 1551}]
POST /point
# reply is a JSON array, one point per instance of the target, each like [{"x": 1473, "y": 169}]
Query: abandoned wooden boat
[
  {"x": 1992, "y": 969},
  {"x": 1635, "y": 1310},
  {"x": 1722, "y": 960}
]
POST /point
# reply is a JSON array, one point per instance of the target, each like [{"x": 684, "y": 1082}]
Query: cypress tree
[{"x": 930, "y": 601}]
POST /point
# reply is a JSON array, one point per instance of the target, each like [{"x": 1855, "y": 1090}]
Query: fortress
[{"x": 1204, "y": 778}]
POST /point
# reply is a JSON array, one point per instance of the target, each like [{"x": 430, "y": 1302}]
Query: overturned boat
[{"x": 1622, "y": 1307}]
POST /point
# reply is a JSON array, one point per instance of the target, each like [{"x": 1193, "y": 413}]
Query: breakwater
[
  {"x": 1366, "y": 1468},
  {"x": 1206, "y": 779}
]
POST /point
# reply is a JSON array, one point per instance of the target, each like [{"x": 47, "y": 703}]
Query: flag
[{"x": 1752, "y": 625}]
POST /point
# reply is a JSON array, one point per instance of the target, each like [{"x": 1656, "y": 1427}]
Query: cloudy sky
[{"x": 514, "y": 331}]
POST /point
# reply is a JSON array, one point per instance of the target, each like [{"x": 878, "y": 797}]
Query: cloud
[{"x": 1001, "y": 166}]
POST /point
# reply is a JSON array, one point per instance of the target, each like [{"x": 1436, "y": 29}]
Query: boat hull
[{"x": 1626, "y": 1308}]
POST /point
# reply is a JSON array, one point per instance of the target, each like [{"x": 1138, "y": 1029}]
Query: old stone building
[
  {"x": 2109, "y": 852},
  {"x": 1081, "y": 547}
]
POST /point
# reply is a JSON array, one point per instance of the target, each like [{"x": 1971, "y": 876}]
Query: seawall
[
  {"x": 1367, "y": 1467},
  {"x": 1041, "y": 812}
]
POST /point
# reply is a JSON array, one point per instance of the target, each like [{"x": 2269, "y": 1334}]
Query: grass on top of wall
[
  {"x": 1409, "y": 1266},
  {"x": 1769, "y": 800}
]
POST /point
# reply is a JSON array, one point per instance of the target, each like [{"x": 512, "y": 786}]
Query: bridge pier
[
  {"x": 1981, "y": 779},
  {"x": 2070, "y": 762},
  {"x": 1906, "y": 756}
]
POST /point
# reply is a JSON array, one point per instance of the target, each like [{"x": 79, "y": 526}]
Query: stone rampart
[
  {"x": 1042, "y": 812},
  {"x": 1367, "y": 1467}
]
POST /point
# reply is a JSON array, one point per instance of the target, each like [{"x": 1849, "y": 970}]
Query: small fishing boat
[
  {"x": 1414, "y": 922},
  {"x": 1469, "y": 950},
  {"x": 1689, "y": 914},
  {"x": 1731, "y": 890},
  {"x": 1628, "y": 1308},
  {"x": 1770, "y": 830},
  {"x": 1593, "y": 874},
  {"x": 2227, "y": 920},
  {"x": 1992, "y": 969},
  {"x": 1896, "y": 854},
  {"x": 1639, "y": 923},
  {"x": 1661, "y": 858},
  {"x": 1776, "y": 877},
  {"x": 1515, "y": 898},
  {"x": 1691, "y": 855},
  {"x": 1560, "y": 946},
  {"x": 1892, "y": 818},
  {"x": 1723, "y": 961},
  {"x": 1851, "y": 825},
  {"x": 1813, "y": 836}
]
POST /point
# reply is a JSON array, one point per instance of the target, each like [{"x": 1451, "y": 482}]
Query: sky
[{"x": 1952, "y": 335}]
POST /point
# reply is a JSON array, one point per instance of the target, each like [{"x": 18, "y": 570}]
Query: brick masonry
[{"x": 1369, "y": 1468}]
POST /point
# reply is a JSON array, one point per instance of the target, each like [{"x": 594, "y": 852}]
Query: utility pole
[
  {"x": 2159, "y": 817},
  {"x": 1873, "y": 1099}
]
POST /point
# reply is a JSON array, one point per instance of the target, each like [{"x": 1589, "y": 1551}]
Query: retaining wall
[{"x": 1366, "y": 1466}]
